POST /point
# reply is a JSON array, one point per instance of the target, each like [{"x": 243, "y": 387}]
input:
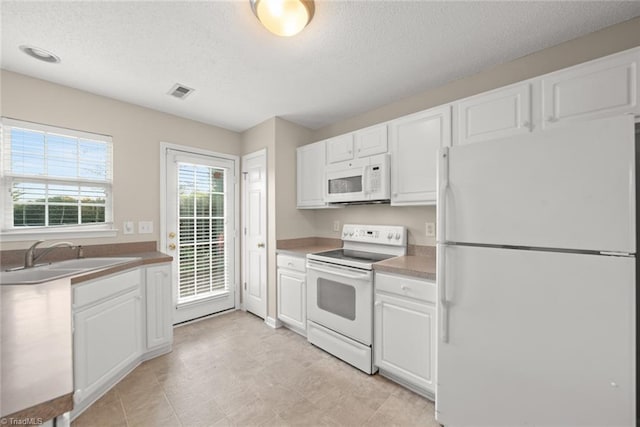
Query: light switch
[
  {"x": 336, "y": 225},
  {"x": 430, "y": 229},
  {"x": 145, "y": 227},
  {"x": 127, "y": 227}
]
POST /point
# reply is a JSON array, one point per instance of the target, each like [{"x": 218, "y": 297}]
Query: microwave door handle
[{"x": 365, "y": 181}]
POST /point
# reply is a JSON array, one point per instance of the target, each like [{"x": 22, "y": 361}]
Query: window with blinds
[
  {"x": 202, "y": 250},
  {"x": 54, "y": 177}
]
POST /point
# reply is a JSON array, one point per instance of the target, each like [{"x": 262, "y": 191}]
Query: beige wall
[
  {"x": 607, "y": 41},
  {"x": 136, "y": 131},
  {"x": 290, "y": 221}
]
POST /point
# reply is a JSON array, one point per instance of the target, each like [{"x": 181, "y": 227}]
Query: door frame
[
  {"x": 260, "y": 152},
  {"x": 164, "y": 146}
]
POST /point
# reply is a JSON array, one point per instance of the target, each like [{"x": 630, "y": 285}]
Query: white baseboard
[{"x": 273, "y": 323}]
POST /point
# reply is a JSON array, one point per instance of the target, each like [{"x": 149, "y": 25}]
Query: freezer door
[
  {"x": 569, "y": 188},
  {"x": 536, "y": 338}
]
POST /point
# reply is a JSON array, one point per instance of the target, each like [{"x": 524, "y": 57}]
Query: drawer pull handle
[
  {"x": 290, "y": 264},
  {"x": 404, "y": 288}
]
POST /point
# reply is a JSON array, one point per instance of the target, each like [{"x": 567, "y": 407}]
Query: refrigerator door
[
  {"x": 570, "y": 188},
  {"x": 536, "y": 338}
]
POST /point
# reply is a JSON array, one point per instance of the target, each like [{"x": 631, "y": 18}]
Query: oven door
[{"x": 341, "y": 298}]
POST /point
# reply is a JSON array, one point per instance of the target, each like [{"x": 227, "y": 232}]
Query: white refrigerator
[{"x": 537, "y": 279}]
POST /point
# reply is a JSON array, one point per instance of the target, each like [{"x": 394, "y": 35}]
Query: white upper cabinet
[
  {"x": 415, "y": 141},
  {"x": 371, "y": 141},
  {"x": 310, "y": 175},
  {"x": 598, "y": 88},
  {"x": 362, "y": 143},
  {"x": 496, "y": 114},
  {"x": 340, "y": 148}
]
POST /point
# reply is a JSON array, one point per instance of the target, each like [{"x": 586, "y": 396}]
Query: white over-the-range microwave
[{"x": 364, "y": 180}]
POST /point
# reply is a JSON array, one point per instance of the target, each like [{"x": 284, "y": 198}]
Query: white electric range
[{"x": 340, "y": 291}]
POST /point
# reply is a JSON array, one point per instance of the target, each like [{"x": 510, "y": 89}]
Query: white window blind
[
  {"x": 202, "y": 248},
  {"x": 54, "y": 177}
]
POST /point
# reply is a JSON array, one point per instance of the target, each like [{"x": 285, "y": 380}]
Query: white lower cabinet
[
  {"x": 107, "y": 330},
  {"x": 112, "y": 316},
  {"x": 292, "y": 293},
  {"x": 404, "y": 331},
  {"x": 158, "y": 306}
]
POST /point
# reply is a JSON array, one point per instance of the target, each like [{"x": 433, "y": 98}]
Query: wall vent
[{"x": 180, "y": 91}]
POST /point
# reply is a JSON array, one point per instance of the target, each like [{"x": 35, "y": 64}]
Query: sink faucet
[{"x": 30, "y": 258}]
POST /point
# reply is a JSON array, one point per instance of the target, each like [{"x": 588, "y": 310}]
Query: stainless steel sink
[{"x": 58, "y": 270}]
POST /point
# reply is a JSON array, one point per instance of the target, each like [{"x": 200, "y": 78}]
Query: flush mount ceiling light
[
  {"x": 283, "y": 17},
  {"x": 40, "y": 54}
]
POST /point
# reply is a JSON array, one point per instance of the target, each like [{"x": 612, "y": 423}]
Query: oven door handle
[{"x": 357, "y": 276}]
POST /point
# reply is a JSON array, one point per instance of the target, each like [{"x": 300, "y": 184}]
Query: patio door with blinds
[{"x": 200, "y": 232}]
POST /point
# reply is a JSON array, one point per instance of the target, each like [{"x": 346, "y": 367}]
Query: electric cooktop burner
[{"x": 353, "y": 255}]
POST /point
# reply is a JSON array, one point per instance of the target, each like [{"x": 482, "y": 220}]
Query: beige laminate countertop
[
  {"x": 423, "y": 267},
  {"x": 37, "y": 380},
  {"x": 146, "y": 258}
]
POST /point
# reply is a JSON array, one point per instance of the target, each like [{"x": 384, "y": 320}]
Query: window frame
[{"x": 8, "y": 232}]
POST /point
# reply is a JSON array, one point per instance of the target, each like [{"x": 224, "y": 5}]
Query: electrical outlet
[
  {"x": 145, "y": 227},
  {"x": 430, "y": 229},
  {"x": 336, "y": 225},
  {"x": 128, "y": 227}
]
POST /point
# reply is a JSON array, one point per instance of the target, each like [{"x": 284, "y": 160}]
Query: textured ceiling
[{"x": 354, "y": 56}]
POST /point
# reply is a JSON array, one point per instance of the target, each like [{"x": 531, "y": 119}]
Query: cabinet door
[
  {"x": 599, "y": 88},
  {"x": 340, "y": 148},
  {"x": 405, "y": 340},
  {"x": 415, "y": 141},
  {"x": 371, "y": 141},
  {"x": 158, "y": 305},
  {"x": 107, "y": 338},
  {"x": 310, "y": 175},
  {"x": 497, "y": 114},
  {"x": 292, "y": 299}
]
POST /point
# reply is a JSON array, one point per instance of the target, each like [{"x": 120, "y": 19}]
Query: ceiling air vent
[{"x": 180, "y": 91}]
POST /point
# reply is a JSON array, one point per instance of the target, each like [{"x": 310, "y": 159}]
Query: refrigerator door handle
[
  {"x": 443, "y": 184},
  {"x": 442, "y": 294}
]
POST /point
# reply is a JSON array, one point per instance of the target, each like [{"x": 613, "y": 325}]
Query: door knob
[
  {"x": 261, "y": 245},
  {"x": 172, "y": 235},
  {"x": 172, "y": 246}
]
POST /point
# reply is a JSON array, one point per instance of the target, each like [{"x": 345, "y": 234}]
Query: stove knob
[
  {"x": 344, "y": 233},
  {"x": 390, "y": 236},
  {"x": 397, "y": 236},
  {"x": 350, "y": 233}
]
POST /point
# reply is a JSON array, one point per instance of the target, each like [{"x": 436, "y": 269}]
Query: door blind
[{"x": 202, "y": 232}]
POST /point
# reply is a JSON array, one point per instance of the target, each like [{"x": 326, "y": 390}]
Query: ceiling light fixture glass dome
[{"x": 283, "y": 17}]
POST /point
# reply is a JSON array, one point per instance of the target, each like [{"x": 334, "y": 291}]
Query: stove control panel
[{"x": 395, "y": 235}]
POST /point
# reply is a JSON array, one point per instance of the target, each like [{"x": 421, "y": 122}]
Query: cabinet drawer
[
  {"x": 105, "y": 287},
  {"x": 404, "y": 286},
  {"x": 292, "y": 262}
]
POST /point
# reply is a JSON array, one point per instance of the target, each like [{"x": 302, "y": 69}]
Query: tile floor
[{"x": 235, "y": 370}]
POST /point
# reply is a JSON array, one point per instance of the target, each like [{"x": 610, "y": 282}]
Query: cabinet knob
[
  {"x": 405, "y": 288},
  {"x": 552, "y": 119},
  {"x": 528, "y": 125},
  {"x": 172, "y": 246},
  {"x": 172, "y": 235}
]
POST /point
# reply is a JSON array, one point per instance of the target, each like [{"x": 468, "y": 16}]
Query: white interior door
[
  {"x": 566, "y": 188},
  {"x": 200, "y": 232},
  {"x": 254, "y": 195},
  {"x": 537, "y": 338}
]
